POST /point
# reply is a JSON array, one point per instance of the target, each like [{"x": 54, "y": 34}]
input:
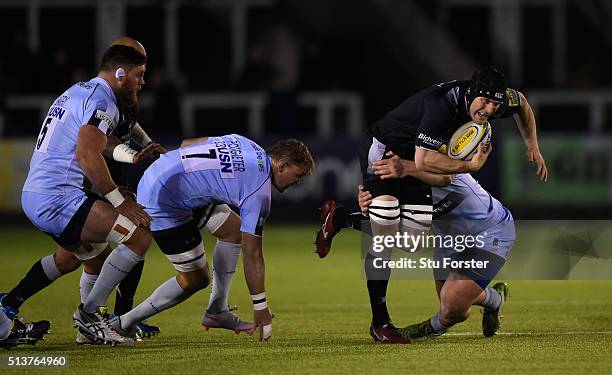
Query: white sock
[
  {"x": 167, "y": 295},
  {"x": 6, "y": 325},
  {"x": 50, "y": 268},
  {"x": 225, "y": 258},
  {"x": 437, "y": 325},
  {"x": 116, "y": 267},
  {"x": 492, "y": 299},
  {"x": 86, "y": 284}
]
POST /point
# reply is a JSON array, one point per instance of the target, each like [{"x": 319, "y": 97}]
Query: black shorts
[
  {"x": 179, "y": 239},
  {"x": 71, "y": 236},
  {"x": 407, "y": 190},
  {"x": 201, "y": 215},
  {"x": 404, "y": 189}
]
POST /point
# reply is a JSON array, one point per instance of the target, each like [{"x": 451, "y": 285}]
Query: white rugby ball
[{"x": 464, "y": 142}]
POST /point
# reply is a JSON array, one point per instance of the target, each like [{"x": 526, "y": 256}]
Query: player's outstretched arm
[
  {"x": 254, "y": 272},
  {"x": 90, "y": 146},
  {"x": 116, "y": 150},
  {"x": 525, "y": 121},
  {"x": 122, "y": 153},
  {"x": 437, "y": 162},
  {"x": 140, "y": 137}
]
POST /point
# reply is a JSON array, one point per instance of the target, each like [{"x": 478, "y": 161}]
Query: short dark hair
[
  {"x": 294, "y": 152},
  {"x": 119, "y": 55}
]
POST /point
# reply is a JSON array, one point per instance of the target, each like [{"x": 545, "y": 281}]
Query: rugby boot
[{"x": 491, "y": 318}]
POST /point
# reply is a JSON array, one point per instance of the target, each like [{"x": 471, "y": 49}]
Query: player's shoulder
[
  {"x": 445, "y": 94},
  {"x": 76, "y": 98},
  {"x": 95, "y": 92},
  {"x": 246, "y": 141},
  {"x": 510, "y": 105},
  {"x": 513, "y": 98}
]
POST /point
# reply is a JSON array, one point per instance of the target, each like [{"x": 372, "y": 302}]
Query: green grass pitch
[{"x": 322, "y": 318}]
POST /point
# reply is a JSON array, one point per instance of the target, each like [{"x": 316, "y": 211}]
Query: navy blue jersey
[{"x": 429, "y": 118}]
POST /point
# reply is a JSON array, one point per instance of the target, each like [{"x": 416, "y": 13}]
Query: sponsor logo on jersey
[
  {"x": 79, "y": 199},
  {"x": 61, "y": 100},
  {"x": 260, "y": 161},
  {"x": 230, "y": 157},
  {"x": 429, "y": 141},
  {"x": 513, "y": 98},
  {"x": 86, "y": 85},
  {"x": 256, "y": 147},
  {"x": 106, "y": 123},
  {"x": 235, "y": 151},
  {"x": 58, "y": 113}
]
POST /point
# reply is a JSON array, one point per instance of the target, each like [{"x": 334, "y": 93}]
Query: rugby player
[
  {"x": 69, "y": 149},
  {"x": 468, "y": 209},
  {"x": 232, "y": 170},
  {"x": 53, "y": 266},
  {"x": 407, "y": 140}
]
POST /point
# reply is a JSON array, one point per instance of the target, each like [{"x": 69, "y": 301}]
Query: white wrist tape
[
  {"x": 115, "y": 197},
  {"x": 146, "y": 140},
  {"x": 124, "y": 154},
  {"x": 266, "y": 332},
  {"x": 259, "y": 301}
]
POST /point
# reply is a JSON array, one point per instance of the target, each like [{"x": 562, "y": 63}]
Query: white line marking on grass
[{"x": 532, "y": 333}]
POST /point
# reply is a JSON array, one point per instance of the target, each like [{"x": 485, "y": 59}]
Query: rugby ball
[{"x": 464, "y": 142}]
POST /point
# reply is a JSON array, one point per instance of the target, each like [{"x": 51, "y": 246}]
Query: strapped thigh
[
  {"x": 416, "y": 206},
  {"x": 190, "y": 260},
  {"x": 214, "y": 217},
  {"x": 384, "y": 212},
  {"x": 183, "y": 246},
  {"x": 416, "y": 216}
]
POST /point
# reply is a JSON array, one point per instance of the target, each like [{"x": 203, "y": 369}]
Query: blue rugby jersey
[
  {"x": 229, "y": 169},
  {"x": 54, "y": 168}
]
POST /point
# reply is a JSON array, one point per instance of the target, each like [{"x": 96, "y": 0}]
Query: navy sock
[
  {"x": 378, "y": 280},
  {"x": 34, "y": 281}
]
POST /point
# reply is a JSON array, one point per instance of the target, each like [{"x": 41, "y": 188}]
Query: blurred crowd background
[{"x": 321, "y": 70}]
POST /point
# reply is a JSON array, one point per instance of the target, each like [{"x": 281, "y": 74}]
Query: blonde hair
[{"x": 294, "y": 152}]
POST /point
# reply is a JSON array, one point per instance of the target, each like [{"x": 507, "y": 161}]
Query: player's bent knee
[
  {"x": 89, "y": 251},
  {"x": 121, "y": 231},
  {"x": 140, "y": 241},
  {"x": 93, "y": 266},
  {"x": 65, "y": 261},
  {"x": 385, "y": 210},
  {"x": 194, "y": 281}
]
